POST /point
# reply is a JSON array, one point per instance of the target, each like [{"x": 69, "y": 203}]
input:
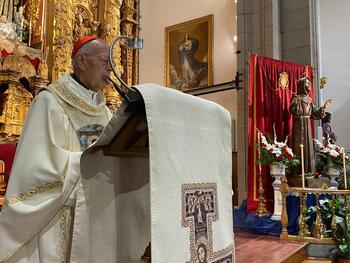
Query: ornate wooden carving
[
  {"x": 63, "y": 37},
  {"x": 70, "y": 19},
  {"x": 18, "y": 83},
  {"x": 130, "y": 27},
  {"x": 15, "y": 103},
  {"x": 109, "y": 31},
  {"x": 84, "y": 23},
  {"x": 33, "y": 10}
]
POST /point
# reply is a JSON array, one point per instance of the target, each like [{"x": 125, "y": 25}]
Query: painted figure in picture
[{"x": 192, "y": 72}]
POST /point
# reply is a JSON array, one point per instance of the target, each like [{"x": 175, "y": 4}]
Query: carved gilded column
[
  {"x": 110, "y": 30},
  {"x": 127, "y": 28},
  {"x": 136, "y": 61},
  {"x": 62, "y": 38},
  {"x": 33, "y": 10}
]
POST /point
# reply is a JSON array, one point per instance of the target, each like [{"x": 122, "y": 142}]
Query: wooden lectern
[
  {"x": 132, "y": 140},
  {"x": 160, "y": 172}
]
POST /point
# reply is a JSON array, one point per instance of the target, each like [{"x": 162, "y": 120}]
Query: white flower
[
  {"x": 289, "y": 151},
  {"x": 277, "y": 152},
  {"x": 333, "y": 153}
]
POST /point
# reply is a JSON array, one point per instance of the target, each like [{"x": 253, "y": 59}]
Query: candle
[
  {"x": 344, "y": 168},
  {"x": 30, "y": 33},
  {"x": 302, "y": 164}
]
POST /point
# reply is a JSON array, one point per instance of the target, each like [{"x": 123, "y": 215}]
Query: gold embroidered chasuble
[{"x": 41, "y": 199}]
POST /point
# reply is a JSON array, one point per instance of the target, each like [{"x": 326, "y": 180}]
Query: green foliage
[{"x": 341, "y": 234}]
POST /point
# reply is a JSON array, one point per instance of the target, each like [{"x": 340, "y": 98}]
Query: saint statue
[
  {"x": 302, "y": 109},
  {"x": 21, "y": 23},
  {"x": 7, "y": 29},
  {"x": 327, "y": 131}
]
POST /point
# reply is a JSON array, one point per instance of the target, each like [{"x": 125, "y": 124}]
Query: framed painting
[{"x": 188, "y": 54}]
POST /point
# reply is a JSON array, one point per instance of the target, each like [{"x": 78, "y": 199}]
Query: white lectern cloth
[{"x": 179, "y": 198}]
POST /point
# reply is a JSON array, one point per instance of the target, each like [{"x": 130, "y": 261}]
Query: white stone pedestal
[
  {"x": 277, "y": 170},
  {"x": 277, "y": 210},
  {"x": 333, "y": 174}
]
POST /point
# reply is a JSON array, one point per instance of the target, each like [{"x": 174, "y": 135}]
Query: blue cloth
[{"x": 267, "y": 226}]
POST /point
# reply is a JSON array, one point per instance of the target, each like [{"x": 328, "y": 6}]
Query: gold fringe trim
[
  {"x": 34, "y": 191},
  {"x": 76, "y": 100},
  {"x": 63, "y": 234}
]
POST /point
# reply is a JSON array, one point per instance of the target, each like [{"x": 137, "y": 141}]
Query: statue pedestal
[
  {"x": 320, "y": 182},
  {"x": 333, "y": 174},
  {"x": 277, "y": 170},
  {"x": 277, "y": 210},
  {"x": 295, "y": 181}
]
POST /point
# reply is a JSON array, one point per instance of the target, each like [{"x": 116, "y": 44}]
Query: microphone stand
[{"x": 133, "y": 96}]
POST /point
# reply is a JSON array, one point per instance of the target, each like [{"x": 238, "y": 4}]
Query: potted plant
[
  {"x": 331, "y": 157},
  {"x": 276, "y": 154},
  {"x": 335, "y": 218},
  {"x": 341, "y": 233}
]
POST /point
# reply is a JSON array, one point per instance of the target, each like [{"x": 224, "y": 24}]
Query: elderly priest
[
  {"x": 159, "y": 173},
  {"x": 44, "y": 191}
]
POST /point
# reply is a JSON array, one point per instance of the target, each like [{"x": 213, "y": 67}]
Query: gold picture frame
[{"x": 188, "y": 54}]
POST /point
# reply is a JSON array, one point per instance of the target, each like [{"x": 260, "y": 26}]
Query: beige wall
[
  {"x": 158, "y": 14},
  {"x": 335, "y": 64},
  {"x": 227, "y": 99}
]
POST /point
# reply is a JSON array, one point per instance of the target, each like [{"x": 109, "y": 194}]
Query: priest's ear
[{"x": 80, "y": 61}]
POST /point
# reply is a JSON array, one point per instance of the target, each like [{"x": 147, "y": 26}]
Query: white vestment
[
  {"x": 179, "y": 198},
  {"x": 44, "y": 190}
]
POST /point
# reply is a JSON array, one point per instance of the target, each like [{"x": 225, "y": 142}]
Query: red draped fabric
[
  {"x": 34, "y": 61},
  {"x": 269, "y": 105},
  {"x": 7, "y": 154}
]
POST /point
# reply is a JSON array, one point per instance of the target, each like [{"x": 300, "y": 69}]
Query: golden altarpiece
[{"x": 36, "y": 40}]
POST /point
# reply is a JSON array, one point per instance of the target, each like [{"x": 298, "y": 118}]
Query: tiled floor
[{"x": 251, "y": 248}]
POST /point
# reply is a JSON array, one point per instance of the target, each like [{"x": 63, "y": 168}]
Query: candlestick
[
  {"x": 302, "y": 165},
  {"x": 30, "y": 34},
  {"x": 259, "y": 152},
  {"x": 261, "y": 211},
  {"x": 21, "y": 30},
  {"x": 344, "y": 169}
]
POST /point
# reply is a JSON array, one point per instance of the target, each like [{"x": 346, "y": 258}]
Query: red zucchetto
[{"x": 81, "y": 42}]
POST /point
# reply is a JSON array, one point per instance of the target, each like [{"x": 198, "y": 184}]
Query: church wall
[
  {"x": 334, "y": 43},
  {"x": 227, "y": 99},
  {"x": 258, "y": 32},
  {"x": 295, "y": 31},
  {"x": 156, "y": 15}
]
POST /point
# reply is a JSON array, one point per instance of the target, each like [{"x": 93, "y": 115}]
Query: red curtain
[
  {"x": 34, "y": 61},
  {"x": 7, "y": 154},
  {"x": 269, "y": 105}
]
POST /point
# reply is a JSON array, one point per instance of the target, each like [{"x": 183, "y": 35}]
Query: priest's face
[{"x": 96, "y": 69}]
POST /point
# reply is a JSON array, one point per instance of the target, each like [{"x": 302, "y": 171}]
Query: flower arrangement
[
  {"x": 331, "y": 155},
  {"x": 276, "y": 152}
]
